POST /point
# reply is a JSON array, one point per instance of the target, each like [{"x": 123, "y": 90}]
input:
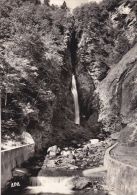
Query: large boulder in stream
[
  {"x": 79, "y": 183},
  {"x": 53, "y": 151}
]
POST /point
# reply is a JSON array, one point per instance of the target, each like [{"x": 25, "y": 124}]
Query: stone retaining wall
[
  {"x": 121, "y": 177},
  {"x": 14, "y": 158}
]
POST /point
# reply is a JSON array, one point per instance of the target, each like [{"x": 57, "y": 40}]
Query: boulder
[
  {"x": 65, "y": 153},
  {"x": 51, "y": 164},
  {"x": 115, "y": 136},
  {"x": 80, "y": 183},
  {"x": 86, "y": 147},
  {"x": 79, "y": 149},
  {"x": 27, "y": 138},
  {"x": 66, "y": 148},
  {"x": 72, "y": 167},
  {"x": 94, "y": 141},
  {"x": 53, "y": 151}
]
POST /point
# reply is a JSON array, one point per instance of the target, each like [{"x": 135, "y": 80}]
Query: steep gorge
[
  {"x": 37, "y": 71},
  {"x": 37, "y": 68}
]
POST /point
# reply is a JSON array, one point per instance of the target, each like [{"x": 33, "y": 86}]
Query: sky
[{"x": 72, "y": 3}]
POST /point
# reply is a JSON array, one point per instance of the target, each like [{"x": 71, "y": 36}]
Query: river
[{"x": 53, "y": 182}]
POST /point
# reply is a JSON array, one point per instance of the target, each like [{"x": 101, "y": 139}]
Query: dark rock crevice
[
  {"x": 88, "y": 101},
  {"x": 73, "y": 50}
]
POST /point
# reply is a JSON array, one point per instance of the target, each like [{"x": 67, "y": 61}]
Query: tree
[
  {"x": 46, "y": 2},
  {"x": 64, "y": 5}
]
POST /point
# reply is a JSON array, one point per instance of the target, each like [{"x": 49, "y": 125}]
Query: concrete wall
[
  {"x": 14, "y": 158},
  {"x": 121, "y": 177}
]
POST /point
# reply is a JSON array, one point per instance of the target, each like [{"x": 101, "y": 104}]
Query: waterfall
[
  {"x": 54, "y": 185},
  {"x": 75, "y": 97}
]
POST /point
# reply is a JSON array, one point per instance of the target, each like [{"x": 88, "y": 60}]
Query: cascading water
[
  {"x": 57, "y": 185},
  {"x": 75, "y": 97}
]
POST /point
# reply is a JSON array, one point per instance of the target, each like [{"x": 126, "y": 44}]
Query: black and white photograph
[{"x": 68, "y": 97}]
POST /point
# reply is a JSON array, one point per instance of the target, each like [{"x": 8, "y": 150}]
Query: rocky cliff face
[
  {"x": 117, "y": 94},
  {"x": 106, "y": 87}
]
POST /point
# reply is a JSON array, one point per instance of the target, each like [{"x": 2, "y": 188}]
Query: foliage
[
  {"x": 32, "y": 53},
  {"x": 95, "y": 29},
  {"x": 35, "y": 61}
]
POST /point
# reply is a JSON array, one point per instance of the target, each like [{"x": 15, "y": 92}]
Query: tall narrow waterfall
[{"x": 75, "y": 97}]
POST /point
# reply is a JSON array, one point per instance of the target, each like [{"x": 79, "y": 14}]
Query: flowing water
[
  {"x": 75, "y": 97},
  {"x": 54, "y": 182}
]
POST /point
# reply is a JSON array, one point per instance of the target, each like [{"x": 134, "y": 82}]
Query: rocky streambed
[{"x": 79, "y": 156}]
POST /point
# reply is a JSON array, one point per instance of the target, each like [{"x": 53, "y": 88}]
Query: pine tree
[{"x": 64, "y": 5}]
